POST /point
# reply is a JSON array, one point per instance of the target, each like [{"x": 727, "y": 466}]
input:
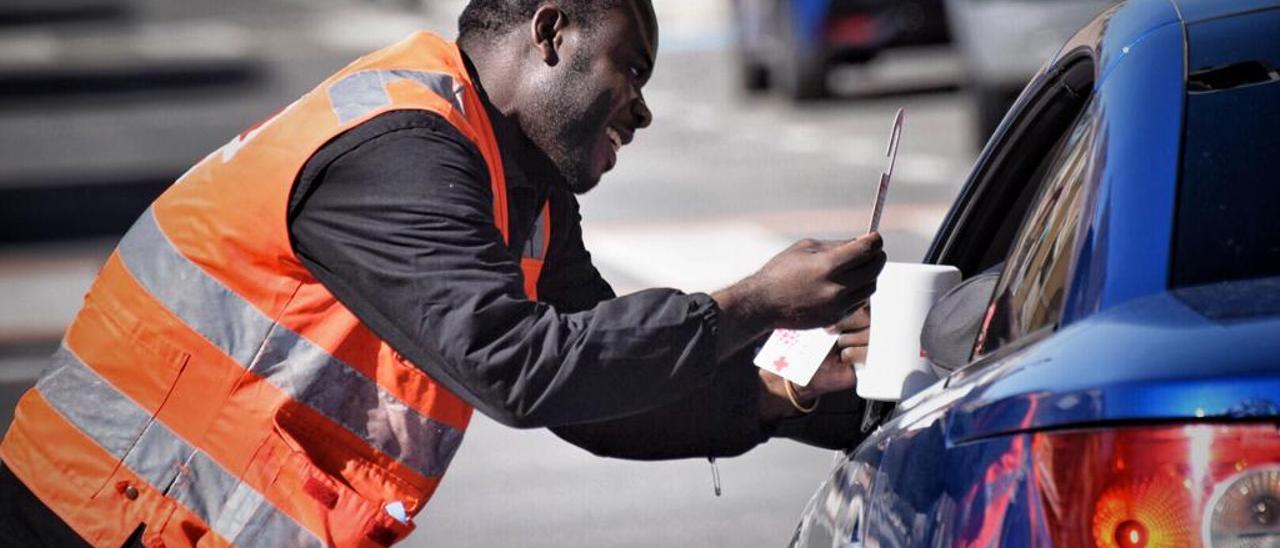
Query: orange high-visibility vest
[{"x": 212, "y": 389}]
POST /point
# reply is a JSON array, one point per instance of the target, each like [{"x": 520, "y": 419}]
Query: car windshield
[{"x": 1228, "y": 220}]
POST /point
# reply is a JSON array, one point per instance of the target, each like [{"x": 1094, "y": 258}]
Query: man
[{"x": 286, "y": 347}]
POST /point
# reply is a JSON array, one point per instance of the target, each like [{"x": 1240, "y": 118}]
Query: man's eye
[{"x": 636, "y": 72}]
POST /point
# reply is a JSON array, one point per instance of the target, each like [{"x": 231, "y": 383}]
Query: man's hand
[
  {"x": 854, "y": 335},
  {"x": 810, "y": 284},
  {"x": 836, "y": 373},
  {"x": 814, "y": 283}
]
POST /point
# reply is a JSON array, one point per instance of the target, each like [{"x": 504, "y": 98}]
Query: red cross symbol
[{"x": 780, "y": 363}]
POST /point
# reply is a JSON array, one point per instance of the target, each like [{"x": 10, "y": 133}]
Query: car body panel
[
  {"x": 1131, "y": 363},
  {"x": 1195, "y": 11},
  {"x": 906, "y": 485},
  {"x": 1142, "y": 77}
]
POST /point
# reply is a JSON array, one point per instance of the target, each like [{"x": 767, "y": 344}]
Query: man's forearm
[{"x": 742, "y": 321}]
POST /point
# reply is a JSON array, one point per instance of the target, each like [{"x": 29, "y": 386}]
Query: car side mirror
[{"x": 951, "y": 328}]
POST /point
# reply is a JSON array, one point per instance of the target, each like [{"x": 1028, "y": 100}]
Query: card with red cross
[{"x": 795, "y": 355}]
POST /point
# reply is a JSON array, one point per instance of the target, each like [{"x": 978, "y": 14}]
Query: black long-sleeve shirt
[{"x": 395, "y": 218}]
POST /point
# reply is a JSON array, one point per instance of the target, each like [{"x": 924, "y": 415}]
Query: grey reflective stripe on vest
[
  {"x": 164, "y": 460},
  {"x": 534, "y": 247},
  {"x": 359, "y": 93},
  {"x": 297, "y": 367}
]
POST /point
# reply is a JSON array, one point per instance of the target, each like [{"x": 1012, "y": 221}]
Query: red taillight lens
[
  {"x": 1195, "y": 485},
  {"x": 1144, "y": 511},
  {"x": 852, "y": 29}
]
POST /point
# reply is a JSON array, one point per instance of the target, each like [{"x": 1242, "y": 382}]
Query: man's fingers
[
  {"x": 860, "y": 319},
  {"x": 850, "y": 356},
  {"x": 848, "y": 340},
  {"x": 865, "y": 271},
  {"x": 856, "y": 296},
  {"x": 858, "y": 251}
]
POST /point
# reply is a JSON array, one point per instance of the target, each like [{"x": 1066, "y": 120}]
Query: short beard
[{"x": 575, "y": 113}]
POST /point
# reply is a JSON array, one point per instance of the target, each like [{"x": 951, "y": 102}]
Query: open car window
[
  {"x": 980, "y": 230},
  {"x": 1007, "y": 189},
  {"x": 1030, "y": 294}
]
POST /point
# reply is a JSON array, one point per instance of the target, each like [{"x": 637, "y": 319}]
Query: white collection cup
[{"x": 904, "y": 294}]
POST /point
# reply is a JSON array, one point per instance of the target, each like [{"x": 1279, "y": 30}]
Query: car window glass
[
  {"x": 1032, "y": 287},
  {"x": 1228, "y": 228}
]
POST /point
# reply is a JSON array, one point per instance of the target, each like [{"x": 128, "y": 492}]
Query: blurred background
[{"x": 771, "y": 118}]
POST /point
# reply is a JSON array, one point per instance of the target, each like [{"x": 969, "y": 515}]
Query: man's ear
[{"x": 547, "y": 25}]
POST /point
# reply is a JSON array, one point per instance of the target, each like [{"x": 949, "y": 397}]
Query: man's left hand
[
  {"x": 836, "y": 372},
  {"x": 855, "y": 335}
]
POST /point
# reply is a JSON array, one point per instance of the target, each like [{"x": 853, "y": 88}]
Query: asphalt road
[{"x": 719, "y": 183}]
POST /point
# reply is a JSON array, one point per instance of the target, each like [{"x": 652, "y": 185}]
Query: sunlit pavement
[{"x": 718, "y": 184}]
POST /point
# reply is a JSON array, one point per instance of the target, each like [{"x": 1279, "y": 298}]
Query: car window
[
  {"x": 1227, "y": 226},
  {"x": 979, "y": 231},
  {"x": 1032, "y": 287}
]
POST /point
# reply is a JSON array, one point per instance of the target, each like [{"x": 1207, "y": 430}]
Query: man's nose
[{"x": 640, "y": 110}]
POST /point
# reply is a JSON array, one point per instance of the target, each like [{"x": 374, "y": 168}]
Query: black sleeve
[
  {"x": 570, "y": 281},
  {"x": 835, "y": 424},
  {"x": 720, "y": 420},
  {"x": 717, "y": 420},
  {"x": 397, "y": 223}
]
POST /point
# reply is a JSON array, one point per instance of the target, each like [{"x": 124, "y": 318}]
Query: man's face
[{"x": 591, "y": 104}]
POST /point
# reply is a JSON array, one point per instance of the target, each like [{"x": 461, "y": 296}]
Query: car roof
[{"x": 1194, "y": 11}]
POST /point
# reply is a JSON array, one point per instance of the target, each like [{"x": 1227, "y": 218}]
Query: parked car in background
[
  {"x": 1124, "y": 387},
  {"x": 1003, "y": 42},
  {"x": 792, "y": 44}
]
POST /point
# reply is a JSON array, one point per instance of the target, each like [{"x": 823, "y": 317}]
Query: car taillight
[
  {"x": 852, "y": 29},
  {"x": 1176, "y": 486}
]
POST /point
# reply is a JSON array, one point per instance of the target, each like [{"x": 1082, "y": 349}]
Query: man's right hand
[
  {"x": 815, "y": 283},
  {"x": 810, "y": 284}
]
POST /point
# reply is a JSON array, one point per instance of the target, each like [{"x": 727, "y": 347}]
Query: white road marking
[{"x": 706, "y": 259}]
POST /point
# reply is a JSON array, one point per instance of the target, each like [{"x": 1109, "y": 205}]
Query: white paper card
[{"x": 795, "y": 355}]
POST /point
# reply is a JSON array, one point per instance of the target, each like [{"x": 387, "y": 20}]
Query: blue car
[{"x": 1123, "y": 384}]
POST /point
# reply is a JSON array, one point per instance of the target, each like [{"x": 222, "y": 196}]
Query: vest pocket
[{"x": 334, "y": 471}]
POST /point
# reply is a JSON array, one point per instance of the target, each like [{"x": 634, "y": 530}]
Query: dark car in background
[
  {"x": 1124, "y": 383},
  {"x": 792, "y": 44}
]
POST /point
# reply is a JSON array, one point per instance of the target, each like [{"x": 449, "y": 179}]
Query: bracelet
[{"x": 795, "y": 400}]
